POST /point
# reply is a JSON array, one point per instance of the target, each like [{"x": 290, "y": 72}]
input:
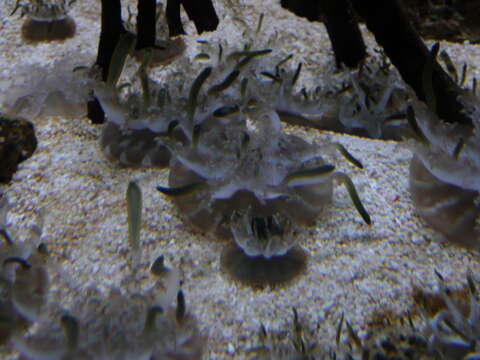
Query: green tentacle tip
[
  {"x": 71, "y": 330},
  {"x": 158, "y": 267},
  {"x": 353, "y": 335},
  {"x": 354, "y": 196},
  {"x": 181, "y": 307},
  {"x": 260, "y": 23},
  {"x": 17, "y": 6},
  {"x": 434, "y": 50},
  {"x": 197, "y": 128},
  {"x": 194, "y": 91},
  {"x": 42, "y": 249},
  {"x": 181, "y": 190},
  {"x": 339, "y": 330},
  {"x": 412, "y": 121},
  {"x": 297, "y": 74},
  {"x": 470, "y": 282},
  {"x": 151, "y": 317},
  {"x": 243, "y": 87},
  {"x": 458, "y": 148},
  {"x": 283, "y": 61},
  {"x": 122, "y": 49},
  {"x": 6, "y": 237},
  {"x": 451, "y": 69},
  {"x": 427, "y": 80},
  {"x": 144, "y": 80},
  {"x": 346, "y": 154},
  {"x": 134, "y": 204}
]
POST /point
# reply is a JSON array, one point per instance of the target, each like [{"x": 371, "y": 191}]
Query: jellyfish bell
[
  {"x": 260, "y": 271},
  {"x": 45, "y": 30},
  {"x": 46, "y": 21},
  {"x": 444, "y": 181},
  {"x": 235, "y": 174}
]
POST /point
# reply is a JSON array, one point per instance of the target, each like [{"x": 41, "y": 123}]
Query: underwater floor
[{"x": 361, "y": 271}]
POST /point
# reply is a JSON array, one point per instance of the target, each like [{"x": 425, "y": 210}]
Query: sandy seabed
[{"x": 353, "y": 268}]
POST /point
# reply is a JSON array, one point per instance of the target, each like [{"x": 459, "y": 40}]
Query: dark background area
[{"x": 452, "y": 20}]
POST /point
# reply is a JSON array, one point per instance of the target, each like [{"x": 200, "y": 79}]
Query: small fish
[
  {"x": 225, "y": 111},
  {"x": 225, "y": 84},
  {"x": 194, "y": 90},
  {"x": 202, "y": 57},
  {"x": 346, "y": 154},
  {"x": 309, "y": 176},
  {"x": 181, "y": 190},
  {"x": 345, "y": 179},
  {"x": 247, "y": 56},
  {"x": 271, "y": 76}
]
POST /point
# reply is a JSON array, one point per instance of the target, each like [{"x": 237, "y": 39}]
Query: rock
[{"x": 17, "y": 143}]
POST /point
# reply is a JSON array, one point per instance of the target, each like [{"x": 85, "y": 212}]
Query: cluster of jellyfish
[
  {"x": 235, "y": 174},
  {"x": 127, "y": 323},
  {"x": 46, "y": 20},
  {"x": 445, "y": 168}
]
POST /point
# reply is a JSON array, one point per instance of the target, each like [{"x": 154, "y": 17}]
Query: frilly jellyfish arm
[{"x": 451, "y": 153}]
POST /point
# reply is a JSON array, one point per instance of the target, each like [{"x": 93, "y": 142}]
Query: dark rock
[{"x": 17, "y": 143}]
